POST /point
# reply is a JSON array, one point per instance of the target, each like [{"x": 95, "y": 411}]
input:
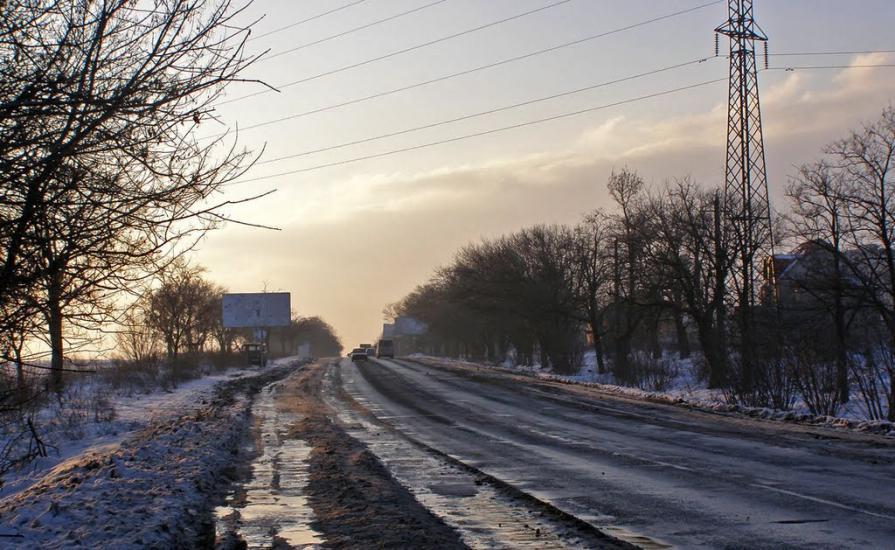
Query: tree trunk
[
  {"x": 683, "y": 342},
  {"x": 620, "y": 365},
  {"x": 20, "y": 367},
  {"x": 891, "y": 414},
  {"x": 597, "y": 344},
  {"x": 712, "y": 351},
  {"x": 171, "y": 349},
  {"x": 655, "y": 345},
  {"x": 841, "y": 353},
  {"x": 20, "y": 376},
  {"x": 54, "y": 321}
]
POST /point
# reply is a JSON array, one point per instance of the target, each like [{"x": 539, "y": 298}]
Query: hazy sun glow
[{"x": 358, "y": 236}]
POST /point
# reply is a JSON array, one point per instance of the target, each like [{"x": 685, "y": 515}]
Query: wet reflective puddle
[{"x": 271, "y": 507}]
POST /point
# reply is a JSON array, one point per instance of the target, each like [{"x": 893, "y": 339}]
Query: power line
[
  {"x": 351, "y": 31},
  {"x": 303, "y": 21},
  {"x": 484, "y": 113},
  {"x": 470, "y": 71},
  {"x": 484, "y": 132},
  {"x": 841, "y": 52},
  {"x": 790, "y": 68},
  {"x": 403, "y": 51},
  {"x": 527, "y": 123}
]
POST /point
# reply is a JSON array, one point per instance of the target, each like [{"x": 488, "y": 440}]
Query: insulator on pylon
[
  {"x": 766, "y": 62},
  {"x": 716, "y": 45}
]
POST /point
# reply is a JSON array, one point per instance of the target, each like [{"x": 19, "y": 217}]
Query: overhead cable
[
  {"x": 483, "y": 113},
  {"x": 303, "y": 21},
  {"x": 530, "y": 123},
  {"x": 352, "y": 30},
  {"x": 402, "y": 51},
  {"x": 484, "y": 132},
  {"x": 469, "y": 71},
  {"x": 790, "y": 68},
  {"x": 841, "y": 52}
]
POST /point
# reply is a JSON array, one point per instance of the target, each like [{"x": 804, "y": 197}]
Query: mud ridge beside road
[{"x": 356, "y": 501}]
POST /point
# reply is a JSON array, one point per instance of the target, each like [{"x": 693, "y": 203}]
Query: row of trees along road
[
  {"x": 654, "y": 274},
  {"x": 102, "y": 179}
]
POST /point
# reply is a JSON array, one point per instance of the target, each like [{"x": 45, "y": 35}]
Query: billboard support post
[{"x": 259, "y": 311}]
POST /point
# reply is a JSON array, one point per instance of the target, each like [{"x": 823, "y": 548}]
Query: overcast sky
[{"x": 359, "y": 235}]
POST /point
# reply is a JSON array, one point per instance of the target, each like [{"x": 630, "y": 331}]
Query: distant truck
[
  {"x": 385, "y": 348},
  {"x": 256, "y": 353}
]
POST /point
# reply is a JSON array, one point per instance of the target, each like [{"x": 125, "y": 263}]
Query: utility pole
[{"x": 746, "y": 204}]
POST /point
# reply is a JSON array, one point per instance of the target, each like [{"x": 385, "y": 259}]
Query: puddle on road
[{"x": 272, "y": 506}]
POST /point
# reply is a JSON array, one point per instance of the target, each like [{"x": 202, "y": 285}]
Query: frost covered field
[
  {"x": 122, "y": 416},
  {"x": 142, "y": 479}
]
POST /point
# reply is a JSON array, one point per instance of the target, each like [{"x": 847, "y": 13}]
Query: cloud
[{"x": 356, "y": 244}]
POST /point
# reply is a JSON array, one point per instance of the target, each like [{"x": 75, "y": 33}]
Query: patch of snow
[
  {"x": 131, "y": 413},
  {"x": 148, "y": 487}
]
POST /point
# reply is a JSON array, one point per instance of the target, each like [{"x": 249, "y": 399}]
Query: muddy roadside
[
  {"x": 321, "y": 470},
  {"x": 154, "y": 490},
  {"x": 357, "y": 503}
]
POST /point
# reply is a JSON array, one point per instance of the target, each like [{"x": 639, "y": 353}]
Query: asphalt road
[{"x": 656, "y": 474}]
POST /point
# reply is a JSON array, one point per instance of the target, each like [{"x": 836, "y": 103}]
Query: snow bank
[
  {"x": 151, "y": 489},
  {"x": 127, "y": 414}
]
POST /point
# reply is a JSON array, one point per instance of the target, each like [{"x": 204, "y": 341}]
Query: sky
[{"x": 357, "y": 235}]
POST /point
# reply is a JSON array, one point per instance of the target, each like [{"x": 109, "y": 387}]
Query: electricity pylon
[
  {"x": 746, "y": 184},
  {"x": 746, "y": 205}
]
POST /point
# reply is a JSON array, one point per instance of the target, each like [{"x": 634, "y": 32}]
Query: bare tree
[
  {"x": 100, "y": 101},
  {"x": 225, "y": 337},
  {"x": 691, "y": 254},
  {"x": 182, "y": 311},
  {"x": 135, "y": 339},
  {"x": 593, "y": 277},
  {"x": 820, "y": 216},
  {"x": 867, "y": 160},
  {"x": 319, "y": 334},
  {"x": 628, "y": 265}
]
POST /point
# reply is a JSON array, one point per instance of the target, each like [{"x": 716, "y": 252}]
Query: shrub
[{"x": 652, "y": 373}]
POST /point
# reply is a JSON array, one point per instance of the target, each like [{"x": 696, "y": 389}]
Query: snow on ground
[
  {"x": 685, "y": 389},
  {"x": 132, "y": 412},
  {"x": 149, "y": 487},
  {"x": 163, "y": 404}
]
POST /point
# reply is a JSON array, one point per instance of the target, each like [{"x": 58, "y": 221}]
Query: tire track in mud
[{"x": 356, "y": 501}]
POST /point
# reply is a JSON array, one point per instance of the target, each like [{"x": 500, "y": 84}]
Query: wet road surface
[{"x": 655, "y": 475}]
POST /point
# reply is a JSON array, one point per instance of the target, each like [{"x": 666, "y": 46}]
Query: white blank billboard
[{"x": 256, "y": 310}]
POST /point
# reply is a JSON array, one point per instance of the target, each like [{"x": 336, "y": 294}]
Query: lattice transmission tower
[{"x": 746, "y": 205}]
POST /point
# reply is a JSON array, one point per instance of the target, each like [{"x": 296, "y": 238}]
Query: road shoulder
[
  {"x": 356, "y": 501},
  {"x": 767, "y": 428}
]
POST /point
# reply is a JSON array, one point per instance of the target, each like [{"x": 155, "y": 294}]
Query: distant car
[
  {"x": 371, "y": 351},
  {"x": 358, "y": 354}
]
